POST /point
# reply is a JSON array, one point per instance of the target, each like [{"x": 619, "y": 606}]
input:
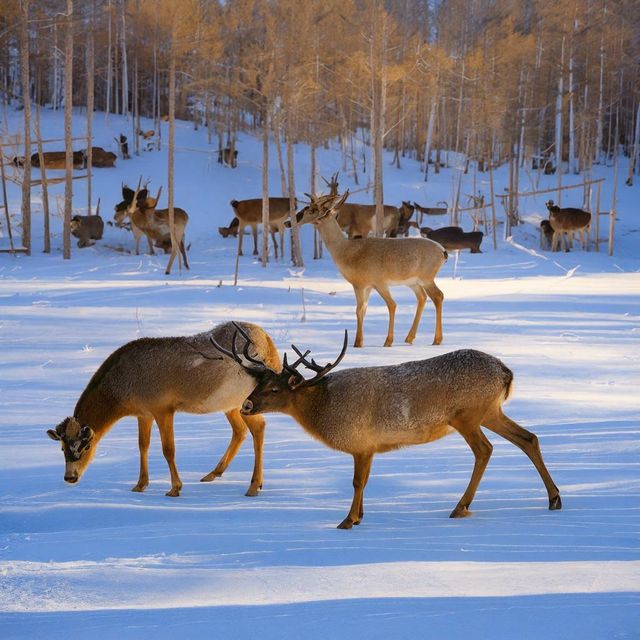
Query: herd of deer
[{"x": 235, "y": 368}]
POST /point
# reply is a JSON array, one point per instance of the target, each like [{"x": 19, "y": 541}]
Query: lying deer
[
  {"x": 151, "y": 379},
  {"x": 371, "y": 410},
  {"x": 378, "y": 263},
  {"x": 454, "y": 238},
  {"x": 154, "y": 223},
  {"x": 249, "y": 214},
  {"x": 565, "y": 222}
]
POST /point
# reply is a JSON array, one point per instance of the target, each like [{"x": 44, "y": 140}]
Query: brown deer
[
  {"x": 369, "y": 410},
  {"x": 378, "y": 263},
  {"x": 546, "y": 234},
  {"x": 154, "y": 223},
  {"x": 228, "y": 156},
  {"x": 87, "y": 229},
  {"x": 57, "y": 160},
  {"x": 151, "y": 379},
  {"x": 565, "y": 222},
  {"x": 454, "y": 238},
  {"x": 431, "y": 211},
  {"x": 99, "y": 157},
  {"x": 249, "y": 214}
]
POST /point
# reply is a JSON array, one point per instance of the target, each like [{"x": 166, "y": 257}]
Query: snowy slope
[{"x": 97, "y": 558}]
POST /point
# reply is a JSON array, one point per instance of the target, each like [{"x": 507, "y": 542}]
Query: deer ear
[
  {"x": 294, "y": 380},
  {"x": 54, "y": 435}
]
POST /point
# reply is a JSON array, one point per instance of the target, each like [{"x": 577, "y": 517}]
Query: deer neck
[
  {"x": 97, "y": 409},
  {"x": 304, "y": 407},
  {"x": 332, "y": 235}
]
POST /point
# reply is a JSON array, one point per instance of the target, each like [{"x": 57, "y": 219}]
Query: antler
[
  {"x": 134, "y": 201},
  {"x": 258, "y": 366},
  {"x": 320, "y": 371}
]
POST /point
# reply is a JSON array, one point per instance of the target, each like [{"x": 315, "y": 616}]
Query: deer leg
[
  {"x": 238, "y": 434},
  {"x": 437, "y": 297},
  {"x": 281, "y": 232},
  {"x": 256, "y": 425},
  {"x": 362, "y": 298},
  {"x": 144, "y": 438},
  {"x": 383, "y": 290},
  {"x": 421, "y": 296},
  {"x": 171, "y": 259},
  {"x": 241, "y": 227},
  {"x": 165, "y": 424},
  {"x": 275, "y": 245},
  {"x": 254, "y": 229},
  {"x": 152, "y": 251},
  {"x": 526, "y": 441},
  {"x": 482, "y": 448},
  {"x": 361, "y": 469}
]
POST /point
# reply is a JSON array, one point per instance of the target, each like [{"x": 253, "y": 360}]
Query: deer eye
[{"x": 274, "y": 389}]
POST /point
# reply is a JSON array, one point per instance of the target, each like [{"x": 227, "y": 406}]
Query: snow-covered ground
[{"x": 95, "y": 558}]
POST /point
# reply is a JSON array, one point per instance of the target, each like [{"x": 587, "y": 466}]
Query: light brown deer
[
  {"x": 249, "y": 214},
  {"x": 378, "y": 263},
  {"x": 151, "y": 379},
  {"x": 567, "y": 221},
  {"x": 154, "y": 223},
  {"x": 371, "y": 410}
]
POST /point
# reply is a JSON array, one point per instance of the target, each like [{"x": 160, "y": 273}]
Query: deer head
[
  {"x": 78, "y": 445},
  {"x": 319, "y": 208},
  {"x": 273, "y": 391}
]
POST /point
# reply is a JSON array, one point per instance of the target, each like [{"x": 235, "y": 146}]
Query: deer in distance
[
  {"x": 565, "y": 222},
  {"x": 369, "y": 410},
  {"x": 249, "y": 214},
  {"x": 454, "y": 238},
  {"x": 378, "y": 263},
  {"x": 153, "y": 223},
  {"x": 152, "y": 379}
]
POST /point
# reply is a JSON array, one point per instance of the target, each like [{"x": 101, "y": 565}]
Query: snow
[{"x": 96, "y": 558}]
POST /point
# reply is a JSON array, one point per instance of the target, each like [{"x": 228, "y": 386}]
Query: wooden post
[
  {"x": 6, "y": 202},
  {"x": 493, "y": 205},
  {"x": 45, "y": 187},
  {"x": 597, "y": 229}
]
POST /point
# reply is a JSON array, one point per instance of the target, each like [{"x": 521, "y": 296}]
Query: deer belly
[{"x": 230, "y": 394}]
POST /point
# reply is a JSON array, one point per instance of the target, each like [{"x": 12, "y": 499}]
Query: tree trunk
[
  {"x": 90, "y": 104},
  {"x": 107, "y": 102},
  {"x": 45, "y": 187},
  {"x": 296, "y": 250},
  {"x": 265, "y": 186},
  {"x": 26, "y": 99},
  {"x": 558, "y": 143},
  {"x": 125, "y": 70},
  {"x": 68, "y": 107},
  {"x": 172, "y": 140}
]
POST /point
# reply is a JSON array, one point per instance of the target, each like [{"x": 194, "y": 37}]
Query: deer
[
  {"x": 378, "y": 263},
  {"x": 368, "y": 410},
  {"x": 228, "y": 156},
  {"x": 154, "y": 223},
  {"x": 566, "y": 221},
  {"x": 249, "y": 214},
  {"x": 454, "y": 238},
  {"x": 151, "y": 379},
  {"x": 87, "y": 229},
  {"x": 57, "y": 160},
  {"x": 546, "y": 234}
]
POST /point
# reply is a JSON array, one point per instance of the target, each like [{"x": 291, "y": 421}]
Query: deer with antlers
[
  {"x": 379, "y": 263},
  {"x": 369, "y": 410},
  {"x": 151, "y": 379},
  {"x": 153, "y": 223}
]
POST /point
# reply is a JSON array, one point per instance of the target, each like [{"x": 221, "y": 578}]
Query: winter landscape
[{"x": 95, "y": 558}]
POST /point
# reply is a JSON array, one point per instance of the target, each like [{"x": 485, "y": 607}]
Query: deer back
[{"x": 250, "y": 211}]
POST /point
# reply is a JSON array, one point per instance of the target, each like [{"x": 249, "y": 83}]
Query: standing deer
[
  {"x": 154, "y": 223},
  {"x": 565, "y": 222},
  {"x": 378, "y": 263},
  {"x": 151, "y": 379},
  {"x": 249, "y": 214},
  {"x": 369, "y": 410}
]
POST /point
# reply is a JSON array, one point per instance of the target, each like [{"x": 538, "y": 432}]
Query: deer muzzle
[{"x": 247, "y": 407}]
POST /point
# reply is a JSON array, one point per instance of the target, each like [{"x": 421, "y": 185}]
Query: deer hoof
[
  {"x": 174, "y": 493},
  {"x": 210, "y": 477},
  {"x": 139, "y": 488},
  {"x": 555, "y": 504},
  {"x": 253, "y": 490},
  {"x": 437, "y": 341},
  {"x": 460, "y": 512},
  {"x": 409, "y": 339},
  {"x": 346, "y": 523},
  {"x": 387, "y": 343}
]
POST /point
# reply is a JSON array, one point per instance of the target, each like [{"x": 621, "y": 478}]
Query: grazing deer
[
  {"x": 154, "y": 223},
  {"x": 565, "y": 222},
  {"x": 369, "y": 410},
  {"x": 58, "y": 159},
  {"x": 87, "y": 229},
  {"x": 249, "y": 214},
  {"x": 454, "y": 238},
  {"x": 228, "y": 156},
  {"x": 151, "y": 379},
  {"x": 431, "y": 211},
  {"x": 378, "y": 263}
]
